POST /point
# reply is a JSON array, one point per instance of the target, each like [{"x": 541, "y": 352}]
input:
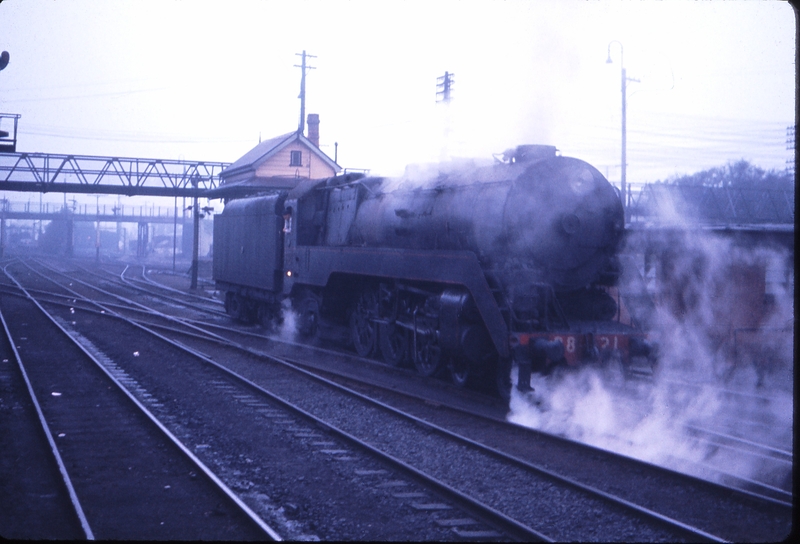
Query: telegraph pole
[
  {"x": 4, "y": 203},
  {"x": 444, "y": 85},
  {"x": 302, "y": 96},
  {"x": 624, "y": 89},
  {"x": 97, "y": 231},
  {"x": 4, "y": 59},
  {"x": 196, "y": 241}
]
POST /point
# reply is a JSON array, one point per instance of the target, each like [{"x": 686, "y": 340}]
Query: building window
[{"x": 296, "y": 158}]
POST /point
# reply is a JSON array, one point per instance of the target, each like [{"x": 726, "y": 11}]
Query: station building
[{"x": 279, "y": 163}]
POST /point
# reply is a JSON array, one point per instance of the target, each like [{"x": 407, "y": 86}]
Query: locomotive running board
[{"x": 314, "y": 265}]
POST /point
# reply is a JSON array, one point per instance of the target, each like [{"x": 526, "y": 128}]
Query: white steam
[
  {"x": 591, "y": 407},
  {"x": 725, "y": 365},
  {"x": 287, "y": 328}
]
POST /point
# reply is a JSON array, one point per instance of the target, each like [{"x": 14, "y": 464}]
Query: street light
[{"x": 623, "y": 87}]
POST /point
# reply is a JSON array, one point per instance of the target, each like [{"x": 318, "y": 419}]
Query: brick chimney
[{"x": 313, "y": 128}]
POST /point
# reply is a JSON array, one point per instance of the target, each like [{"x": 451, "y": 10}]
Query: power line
[
  {"x": 141, "y": 139},
  {"x": 71, "y": 97}
]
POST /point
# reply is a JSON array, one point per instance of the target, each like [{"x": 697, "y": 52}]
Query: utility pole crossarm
[{"x": 444, "y": 85}]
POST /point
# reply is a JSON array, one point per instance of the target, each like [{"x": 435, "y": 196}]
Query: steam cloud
[
  {"x": 287, "y": 326},
  {"x": 725, "y": 364}
]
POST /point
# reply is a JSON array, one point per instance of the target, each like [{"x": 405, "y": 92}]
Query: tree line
[{"x": 737, "y": 175}]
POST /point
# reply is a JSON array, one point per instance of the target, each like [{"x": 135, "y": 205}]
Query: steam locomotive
[{"x": 464, "y": 269}]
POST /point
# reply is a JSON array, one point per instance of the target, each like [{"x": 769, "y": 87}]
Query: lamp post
[
  {"x": 623, "y": 87},
  {"x": 195, "y": 241},
  {"x": 97, "y": 231}
]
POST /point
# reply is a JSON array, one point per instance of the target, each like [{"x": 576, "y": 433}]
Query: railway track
[
  {"x": 684, "y": 528},
  {"x": 122, "y": 475},
  {"x": 673, "y": 494},
  {"x": 267, "y": 422},
  {"x": 250, "y": 337},
  {"x": 775, "y": 483},
  {"x": 771, "y": 478}
]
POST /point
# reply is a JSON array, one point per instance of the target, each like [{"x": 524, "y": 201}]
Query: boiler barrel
[{"x": 557, "y": 219}]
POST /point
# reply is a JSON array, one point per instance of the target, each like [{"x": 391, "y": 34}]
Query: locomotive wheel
[
  {"x": 363, "y": 331},
  {"x": 234, "y": 306},
  {"x": 394, "y": 344},
  {"x": 308, "y": 317},
  {"x": 459, "y": 371},
  {"x": 428, "y": 359}
]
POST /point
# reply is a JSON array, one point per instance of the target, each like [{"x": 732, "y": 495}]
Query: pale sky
[{"x": 202, "y": 80}]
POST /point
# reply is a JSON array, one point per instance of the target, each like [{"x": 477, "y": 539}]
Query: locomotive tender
[{"x": 467, "y": 269}]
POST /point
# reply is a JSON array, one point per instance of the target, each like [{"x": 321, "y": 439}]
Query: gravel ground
[
  {"x": 33, "y": 501},
  {"x": 717, "y": 510},
  {"x": 304, "y": 482},
  {"x": 538, "y": 502},
  {"x": 132, "y": 482}
]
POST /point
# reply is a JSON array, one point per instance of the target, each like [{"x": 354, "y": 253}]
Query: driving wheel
[{"x": 363, "y": 330}]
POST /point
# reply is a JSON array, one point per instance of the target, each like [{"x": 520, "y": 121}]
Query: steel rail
[
  {"x": 76, "y": 504},
  {"x": 693, "y": 531},
  {"x": 777, "y": 453},
  {"x": 778, "y": 497},
  {"x": 147, "y": 279},
  {"x": 188, "y": 453},
  {"x": 441, "y": 485},
  {"x": 127, "y": 283},
  {"x": 508, "y": 524},
  {"x": 510, "y": 458},
  {"x": 769, "y": 492},
  {"x": 501, "y": 455},
  {"x": 118, "y": 297},
  {"x": 722, "y": 390},
  {"x": 766, "y": 491},
  {"x": 72, "y": 301}
]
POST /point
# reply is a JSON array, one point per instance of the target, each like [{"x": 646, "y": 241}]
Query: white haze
[
  {"x": 648, "y": 419},
  {"x": 287, "y": 329}
]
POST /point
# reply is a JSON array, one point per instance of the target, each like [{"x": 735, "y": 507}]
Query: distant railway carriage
[{"x": 468, "y": 269}]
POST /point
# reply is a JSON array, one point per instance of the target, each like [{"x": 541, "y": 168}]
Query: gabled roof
[{"x": 251, "y": 160}]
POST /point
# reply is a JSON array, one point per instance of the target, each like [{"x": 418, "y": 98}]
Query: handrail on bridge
[{"x": 51, "y": 172}]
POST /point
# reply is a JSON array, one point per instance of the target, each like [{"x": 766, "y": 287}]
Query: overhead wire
[{"x": 141, "y": 139}]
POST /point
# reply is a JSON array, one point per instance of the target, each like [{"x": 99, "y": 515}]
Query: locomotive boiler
[{"x": 463, "y": 268}]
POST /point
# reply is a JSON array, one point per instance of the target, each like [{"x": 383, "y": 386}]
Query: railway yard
[
  {"x": 453, "y": 330},
  {"x": 132, "y": 407}
]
